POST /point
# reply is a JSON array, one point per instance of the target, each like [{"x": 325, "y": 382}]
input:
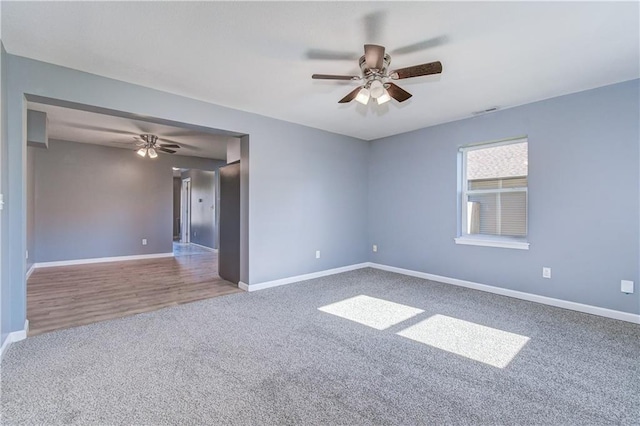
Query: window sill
[{"x": 519, "y": 245}]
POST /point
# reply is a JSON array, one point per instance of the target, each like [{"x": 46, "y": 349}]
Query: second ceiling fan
[
  {"x": 377, "y": 79},
  {"x": 148, "y": 145}
]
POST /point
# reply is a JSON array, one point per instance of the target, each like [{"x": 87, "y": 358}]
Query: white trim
[
  {"x": 464, "y": 192},
  {"x": 204, "y": 247},
  {"x": 30, "y": 271},
  {"x": 559, "y": 303},
  {"x": 520, "y": 245},
  {"x": 500, "y": 142},
  {"x": 297, "y": 278},
  {"x": 100, "y": 260},
  {"x": 13, "y": 337},
  {"x": 565, "y": 304}
]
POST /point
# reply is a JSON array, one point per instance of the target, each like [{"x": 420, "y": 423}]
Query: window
[{"x": 493, "y": 203}]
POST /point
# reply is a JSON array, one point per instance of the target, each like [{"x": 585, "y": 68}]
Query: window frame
[{"x": 501, "y": 241}]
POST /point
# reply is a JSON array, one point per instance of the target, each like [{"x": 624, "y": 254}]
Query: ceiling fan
[
  {"x": 377, "y": 80},
  {"x": 148, "y": 144}
]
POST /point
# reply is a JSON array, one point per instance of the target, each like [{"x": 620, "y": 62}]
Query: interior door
[{"x": 229, "y": 210}]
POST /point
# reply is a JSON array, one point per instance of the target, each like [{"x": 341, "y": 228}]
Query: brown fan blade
[
  {"x": 398, "y": 93},
  {"x": 170, "y": 151},
  {"x": 417, "y": 70},
  {"x": 170, "y": 145},
  {"x": 351, "y": 96},
  {"x": 374, "y": 56},
  {"x": 334, "y": 77}
]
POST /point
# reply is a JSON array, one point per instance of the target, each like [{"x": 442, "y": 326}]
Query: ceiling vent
[{"x": 486, "y": 111}]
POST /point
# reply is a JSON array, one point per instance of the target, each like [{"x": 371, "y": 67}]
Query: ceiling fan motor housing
[
  {"x": 149, "y": 139},
  {"x": 368, "y": 72}
]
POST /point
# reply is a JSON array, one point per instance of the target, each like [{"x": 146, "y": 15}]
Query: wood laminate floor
[{"x": 70, "y": 296}]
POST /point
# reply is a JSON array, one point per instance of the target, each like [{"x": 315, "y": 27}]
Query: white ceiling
[
  {"x": 100, "y": 129},
  {"x": 252, "y": 56}
]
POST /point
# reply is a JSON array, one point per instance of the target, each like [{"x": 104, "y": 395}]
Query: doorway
[
  {"x": 185, "y": 208},
  {"x": 150, "y": 265}
]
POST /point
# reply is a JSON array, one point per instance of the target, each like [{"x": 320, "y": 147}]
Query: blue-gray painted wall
[
  {"x": 583, "y": 198},
  {"x": 96, "y": 201},
  {"x": 307, "y": 192},
  {"x": 31, "y": 205},
  {"x": 5, "y": 283}
]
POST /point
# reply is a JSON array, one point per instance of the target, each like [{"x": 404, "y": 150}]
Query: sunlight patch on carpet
[
  {"x": 478, "y": 342},
  {"x": 370, "y": 311}
]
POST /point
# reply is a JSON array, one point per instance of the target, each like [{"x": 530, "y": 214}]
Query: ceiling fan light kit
[
  {"x": 374, "y": 65},
  {"x": 363, "y": 96},
  {"x": 149, "y": 145},
  {"x": 384, "y": 98}
]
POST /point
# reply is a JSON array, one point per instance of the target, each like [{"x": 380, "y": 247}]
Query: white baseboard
[
  {"x": 574, "y": 306},
  {"x": 13, "y": 337},
  {"x": 565, "y": 304},
  {"x": 298, "y": 278},
  {"x": 204, "y": 247},
  {"x": 30, "y": 271},
  {"x": 100, "y": 260}
]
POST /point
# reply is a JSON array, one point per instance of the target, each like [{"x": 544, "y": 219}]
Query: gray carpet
[{"x": 271, "y": 357}]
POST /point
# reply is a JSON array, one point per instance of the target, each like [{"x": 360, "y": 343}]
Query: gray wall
[
  {"x": 307, "y": 191},
  {"x": 177, "y": 187},
  {"x": 203, "y": 198},
  {"x": 583, "y": 199},
  {"x": 7, "y": 314},
  {"x": 95, "y": 201},
  {"x": 31, "y": 201}
]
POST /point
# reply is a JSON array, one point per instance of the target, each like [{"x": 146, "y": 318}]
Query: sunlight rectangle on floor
[
  {"x": 370, "y": 311},
  {"x": 474, "y": 341}
]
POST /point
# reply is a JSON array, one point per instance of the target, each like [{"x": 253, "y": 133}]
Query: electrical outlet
[
  {"x": 27, "y": 254},
  {"x": 626, "y": 286},
  {"x": 546, "y": 272},
  {"x": 375, "y": 248},
  {"x": 317, "y": 254},
  {"x": 144, "y": 241}
]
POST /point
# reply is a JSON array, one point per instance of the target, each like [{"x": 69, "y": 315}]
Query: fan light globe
[
  {"x": 376, "y": 89},
  {"x": 363, "y": 96},
  {"x": 142, "y": 152},
  {"x": 383, "y": 98},
  {"x": 152, "y": 153}
]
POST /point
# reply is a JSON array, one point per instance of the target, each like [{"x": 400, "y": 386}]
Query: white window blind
[{"x": 494, "y": 189}]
